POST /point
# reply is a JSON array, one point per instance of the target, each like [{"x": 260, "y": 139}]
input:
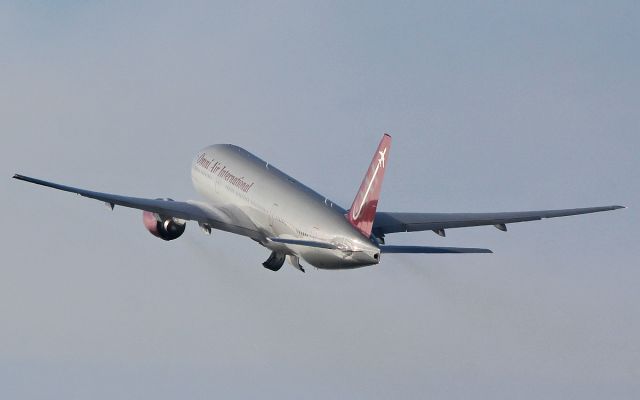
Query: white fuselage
[{"x": 249, "y": 189}]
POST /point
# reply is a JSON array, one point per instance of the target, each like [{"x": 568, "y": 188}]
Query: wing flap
[{"x": 392, "y": 222}]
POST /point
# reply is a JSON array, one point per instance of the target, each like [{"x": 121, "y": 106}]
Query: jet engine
[{"x": 166, "y": 228}]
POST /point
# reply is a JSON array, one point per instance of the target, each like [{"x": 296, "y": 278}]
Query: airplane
[{"x": 248, "y": 196}]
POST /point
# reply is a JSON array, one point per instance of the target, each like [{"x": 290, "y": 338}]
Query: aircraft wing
[
  {"x": 391, "y": 222},
  {"x": 218, "y": 218}
]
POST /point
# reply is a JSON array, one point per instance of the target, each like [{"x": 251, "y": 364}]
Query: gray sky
[{"x": 493, "y": 107}]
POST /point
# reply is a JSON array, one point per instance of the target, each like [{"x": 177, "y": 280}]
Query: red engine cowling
[{"x": 164, "y": 228}]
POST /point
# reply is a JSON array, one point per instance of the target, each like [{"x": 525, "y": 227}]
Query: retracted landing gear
[{"x": 275, "y": 261}]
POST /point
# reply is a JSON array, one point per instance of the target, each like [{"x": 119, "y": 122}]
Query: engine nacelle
[{"x": 164, "y": 228}]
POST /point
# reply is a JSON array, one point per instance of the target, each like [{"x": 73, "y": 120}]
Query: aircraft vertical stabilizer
[{"x": 363, "y": 210}]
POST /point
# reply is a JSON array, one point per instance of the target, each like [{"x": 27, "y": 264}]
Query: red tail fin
[{"x": 363, "y": 209}]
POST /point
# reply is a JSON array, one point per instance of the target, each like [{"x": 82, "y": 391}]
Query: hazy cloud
[{"x": 492, "y": 107}]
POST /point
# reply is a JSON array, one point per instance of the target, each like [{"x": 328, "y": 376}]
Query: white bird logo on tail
[{"x": 356, "y": 213}]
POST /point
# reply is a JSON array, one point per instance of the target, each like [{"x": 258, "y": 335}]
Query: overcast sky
[{"x": 492, "y": 107}]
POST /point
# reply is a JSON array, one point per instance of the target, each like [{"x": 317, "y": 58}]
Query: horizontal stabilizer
[
  {"x": 430, "y": 250},
  {"x": 309, "y": 243}
]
